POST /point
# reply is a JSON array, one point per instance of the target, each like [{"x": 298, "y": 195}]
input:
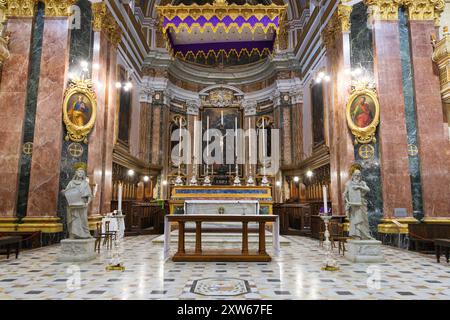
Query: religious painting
[
  {"x": 363, "y": 112},
  {"x": 79, "y": 110},
  {"x": 222, "y": 119},
  {"x": 317, "y": 114}
]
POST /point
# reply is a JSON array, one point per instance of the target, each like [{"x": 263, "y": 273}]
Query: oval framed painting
[
  {"x": 363, "y": 115},
  {"x": 79, "y": 110}
]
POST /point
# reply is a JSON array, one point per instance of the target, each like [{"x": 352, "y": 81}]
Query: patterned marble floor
[{"x": 295, "y": 274}]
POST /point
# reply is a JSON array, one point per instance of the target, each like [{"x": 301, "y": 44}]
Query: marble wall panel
[
  {"x": 45, "y": 165},
  {"x": 13, "y": 94}
]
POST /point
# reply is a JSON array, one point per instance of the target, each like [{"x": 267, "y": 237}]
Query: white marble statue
[
  {"x": 78, "y": 194},
  {"x": 356, "y": 207}
]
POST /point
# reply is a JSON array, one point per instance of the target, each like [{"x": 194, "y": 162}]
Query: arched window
[{"x": 124, "y": 108}]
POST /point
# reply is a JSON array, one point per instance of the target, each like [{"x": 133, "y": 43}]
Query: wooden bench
[
  {"x": 8, "y": 242},
  {"x": 440, "y": 244}
]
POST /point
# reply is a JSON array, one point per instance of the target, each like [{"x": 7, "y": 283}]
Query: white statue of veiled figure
[
  {"x": 77, "y": 221},
  {"x": 356, "y": 207}
]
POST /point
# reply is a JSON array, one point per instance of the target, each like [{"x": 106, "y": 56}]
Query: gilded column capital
[
  {"x": 339, "y": 23},
  {"x": 383, "y": 9},
  {"x": 99, "y": 12},
  {"x": 424, "y": 9},
  {"x": 102, "y": 20},
  {"x": 58, "y": 8},
  {"x": 20, "y": 8},
  {"x": 441, "y": 56}
]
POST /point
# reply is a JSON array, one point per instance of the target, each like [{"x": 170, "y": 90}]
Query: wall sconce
[
  {"x": 146, "y": 178},
  {"x": 164, "y": 182},
  {"x": 309, "y": 173},
  {"x": 278, "y": 183},
  {"x": 322, "y": 76},
  {"x": 130, "y": 172},
  {"x": 296, "y": 179}
]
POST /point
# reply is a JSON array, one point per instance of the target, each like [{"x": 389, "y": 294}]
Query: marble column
[
  {"x": 394, "y": 164},
  {"x": 433, "y": 145},
  {"x": 145, "y": 97},
  {"x": 286, "y": 127},
  {"x": 45, "y": 165},
  {"x": 337, "y": 42},
  {"x": 156, "y": 134},
  {"x": 97, "y": 135},
  {"x": 110, "y": 130},
  {"x": 13, "y": 94}
]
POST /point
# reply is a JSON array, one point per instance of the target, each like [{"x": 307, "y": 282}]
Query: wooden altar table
[{"x": 233, "y": 255}]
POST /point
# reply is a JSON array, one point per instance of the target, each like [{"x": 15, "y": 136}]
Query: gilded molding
[
  {"x": 424, "y": 9},
  {"x": 441, "y": 56},
  {"x": 4, "y": 39},
  {"x": 58, "y": 8},
  {"x": 383, "y": 9},
  {"x": 102, "y": 20},
  {"x": 20, "y": 8},
  {"x": 339, "y": 23}
]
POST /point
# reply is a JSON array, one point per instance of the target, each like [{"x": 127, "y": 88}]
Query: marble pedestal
[
  {"x": 364, "y": 251},
  {"x": 77, "y": 250}
]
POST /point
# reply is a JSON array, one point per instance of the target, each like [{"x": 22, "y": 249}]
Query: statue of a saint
[
  {"x": 78, "y": 195},
  {"x": 356, "y": 207}
]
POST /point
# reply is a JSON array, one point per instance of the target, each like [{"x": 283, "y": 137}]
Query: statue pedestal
[
  {"x": 77, "y": 250},
  {"x": 364, "y": 251}
]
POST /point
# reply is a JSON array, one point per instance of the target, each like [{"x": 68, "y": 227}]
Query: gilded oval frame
[
  {"x": 75, "y": 132},
  {"x": 363, "y": 134}
]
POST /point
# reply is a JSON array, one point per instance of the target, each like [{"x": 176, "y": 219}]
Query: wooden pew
[{"x": 10, "y": 242}]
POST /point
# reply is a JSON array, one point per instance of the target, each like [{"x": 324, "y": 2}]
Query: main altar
[{"x": 233, "y": 200}]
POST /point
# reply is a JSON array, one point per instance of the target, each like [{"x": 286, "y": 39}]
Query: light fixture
[
  {"x": 296, "y": 179},
  {"x": 118, "y": 85},
  {"x": 322, "y": 76},
  {"x": 130, "y": 172},
  {"x": 164, "y": 182},
  {"x": 146, "y": 178},
  {"x": 309, "y": 173},
  {"x": 96, "y": 66},
  {"x": 84, "y": 64},
  {"x": 278, "y": 183}
]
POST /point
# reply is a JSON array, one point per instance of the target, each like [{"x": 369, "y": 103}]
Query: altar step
[{"x": 222, "y": 238}]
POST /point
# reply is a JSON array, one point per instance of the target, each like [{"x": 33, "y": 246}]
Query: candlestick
[
  {"x": 207, "y": 144},
  {"x": 119, "y": 197},
  {"x": 325, "y": 200}
]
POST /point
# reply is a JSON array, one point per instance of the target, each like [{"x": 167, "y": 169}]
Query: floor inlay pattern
[{"x": 295, "y": 274}]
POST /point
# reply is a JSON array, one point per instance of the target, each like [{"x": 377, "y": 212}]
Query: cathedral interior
[{"x": 137, "y": 135}]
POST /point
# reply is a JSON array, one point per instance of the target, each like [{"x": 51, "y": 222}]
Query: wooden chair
[
  {"x": 107, "y": 236},
  {"x": 337, "y": 234}
]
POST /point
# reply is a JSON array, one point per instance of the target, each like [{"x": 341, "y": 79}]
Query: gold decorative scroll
[
  {"x": 58, "y": 8},
  {"x": 441, "y": 56},
  {"x": 221, "y": 10},
  {"x": 383, "y": 9},
  {"x": 184, "y": 27},
  {"x": 20, "y": 8},
  {"x": 424, "y": 9},
  {"x": 4, "y": 52}
]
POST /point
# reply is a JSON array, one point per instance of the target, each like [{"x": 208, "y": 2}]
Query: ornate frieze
[
  {"x": 20, "y": 8},
  {"x": 383, "y": 9},
  {"x": 4, "y": 39},
  {"x": 192, "y": 107},
  {"x": 339, "y": 23},
  {"x": 249, "y": 107},
  {"x": 103, "y": 20},
  {"x": 441, "y": 56},
  {"x": 424, "y": 9},
  {"x": 58, "y": 8}
]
